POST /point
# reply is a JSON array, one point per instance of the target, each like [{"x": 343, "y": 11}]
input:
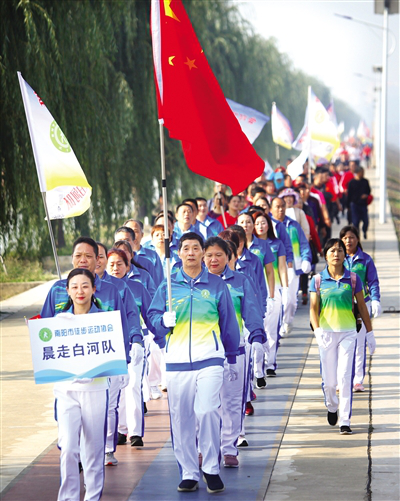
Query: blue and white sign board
[{"x": 80, "y": 346}]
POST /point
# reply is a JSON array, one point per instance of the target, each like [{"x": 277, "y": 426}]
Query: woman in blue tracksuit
[
  {"x": 361, "y": 263},
  {"x": 118, "y": 266},
  {"x": 81, "y": 408},
  {"x": 234, "y": 393}
]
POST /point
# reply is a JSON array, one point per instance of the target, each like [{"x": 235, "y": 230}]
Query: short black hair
[
  {"x": 240, "y": 232},
  {"x": 331, "y": 242},
  {"x": 230, "y": 236},
  {"x": 191, "y": 200},
  {"x": 201, "y": 199},
  {"x": 257, "y": 189},
  {"x": 125, "y": 229},
  {"x": 99, "y": 244},
  {"x": 183, "y": 205},
  {"x": 210, "y": 242},
  {"x": 354, "y": 230},
  {"x": 80, "y": 271},
  {"x": 86, "y": 240},
  {"x": 190, "y": 235},
  {"x": 140, "y": 223}
]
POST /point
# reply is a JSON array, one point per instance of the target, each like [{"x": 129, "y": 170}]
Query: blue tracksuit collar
[
  {"x": 227, "y": 273},
  {"x": 202, "y": 277},
  {"x": 93, "y": 309},
  {"x": 325, "y": 274}
]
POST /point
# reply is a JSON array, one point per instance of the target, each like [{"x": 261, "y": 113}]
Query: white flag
[
  {"x": 60, "y": 174},
  {"x": 251, "y": 121}
]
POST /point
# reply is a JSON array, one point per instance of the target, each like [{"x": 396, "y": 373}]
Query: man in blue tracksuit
[
  {"x": 204, "y": 332},
  {"x": 301, "y": 259},
  {"x": 84, "y": 255}
]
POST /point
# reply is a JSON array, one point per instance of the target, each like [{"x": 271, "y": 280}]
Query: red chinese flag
[{"x": 192, "y": 104}]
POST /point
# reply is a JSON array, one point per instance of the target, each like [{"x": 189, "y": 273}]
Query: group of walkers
[{"x": 238, "y": 263}]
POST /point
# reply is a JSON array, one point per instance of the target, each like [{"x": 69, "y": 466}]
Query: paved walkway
[{"x": 293, "y": 453}]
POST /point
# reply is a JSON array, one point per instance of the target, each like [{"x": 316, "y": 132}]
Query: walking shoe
[
  {"x": 271, "y": 373},
  {"x": 110, "y": 459},
  {"x": 164, "y": 388},
  {"x": 144, "y": 408},
  {"x": 80, "y": 467},
  {"x": 188, "y": 486},
  {"x": 214, "y": 483},
  {"x": 200, "y": 459},
  {"x": 332, "y": 418},
  {"x": 242, "y": 442},
  {"x": 231, "y": 461},
  {"x": 305, "y": 299},
  {"x": 345, "y": 430},
  {"x": 261, "y": 384},
  {"x": 121, "y": 439},
  {"x": 136, "y": 441},
  {"x": 249, "y": 409},
  {"x": 155, "y": 393},
  {"x": 253, "y": 396},
  {"x": 358, "y": 387},
  {"x": 288, "y": 328}
]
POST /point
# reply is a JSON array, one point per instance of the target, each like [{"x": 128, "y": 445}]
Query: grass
[{"x": 23, "y": 270}]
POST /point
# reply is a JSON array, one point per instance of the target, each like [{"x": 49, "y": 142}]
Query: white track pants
[
  {"x": 337, "y": 362},
  {"x": 360, "y": 362},
  {"x": 131, "y": 416},
  {"x": 113, "y": 414},
  {"x": 194, "y": 398},
  {"x": 233, "y": 401},
  {"x": 291, "y": 307},
  {"x": 82, "y": 420},
  {"x": 272, "y": 324}
]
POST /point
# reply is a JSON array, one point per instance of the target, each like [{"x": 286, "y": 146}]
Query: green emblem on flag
[
  {"x": 58, "y": 139},
  {"x": 45, "y": 334}
]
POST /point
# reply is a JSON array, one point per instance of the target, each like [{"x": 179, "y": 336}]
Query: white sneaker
[
  {"x": 155, "y": 393},
  {"x": 288, "y": 328},
  {"x": 110, "y": 459}
]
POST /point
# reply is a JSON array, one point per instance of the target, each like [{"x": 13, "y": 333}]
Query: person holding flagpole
[{"x": 198, "y": 334}]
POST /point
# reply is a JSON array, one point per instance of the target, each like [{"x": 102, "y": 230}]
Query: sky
[{"x": 337, "y": 51}]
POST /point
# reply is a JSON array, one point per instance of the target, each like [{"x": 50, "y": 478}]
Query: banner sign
[{"x": 80, "y": 346}]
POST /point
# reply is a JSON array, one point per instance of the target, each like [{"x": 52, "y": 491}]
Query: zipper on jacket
[{"x": 190, "y": 324}]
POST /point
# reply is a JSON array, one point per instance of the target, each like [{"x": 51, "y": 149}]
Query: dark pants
[{"x": 359, "y": 213}]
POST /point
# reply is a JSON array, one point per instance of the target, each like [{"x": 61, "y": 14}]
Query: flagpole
[
  {"x": 222, "y": 210},
  {"x": 278, "y": 160},
  {"x": 165, "y": 210},
  {"x": 310, "y": 161},
  {"x": 53, "y": 242}
]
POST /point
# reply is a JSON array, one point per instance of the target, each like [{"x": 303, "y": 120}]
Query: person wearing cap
[{"x": 291, "y": 198}]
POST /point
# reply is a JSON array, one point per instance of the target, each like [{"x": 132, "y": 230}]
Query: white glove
[
  {"x": 306, "y": 267},
  {"x": 291, "y": 273},
  {"x": 136, "y": 354},
  {"x": 83, "y": 380},
  {"x": 123, "y": 381},
  {"x": 270, "y": 305},
  {"x": 285, "y": 296},
  {"x": 371, "y": 342},
  {"x": 322, "y": 338},
  {"x": 258, "y": 350},
  {"x": 66, "y": 315},
  {"x": 376, "y": 308},
  {"x": 233, "y": 372},
  {"x": 169, "y": 319}
]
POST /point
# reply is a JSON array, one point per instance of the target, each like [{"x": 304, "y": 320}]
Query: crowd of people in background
[{"x": 238, "y": 264}]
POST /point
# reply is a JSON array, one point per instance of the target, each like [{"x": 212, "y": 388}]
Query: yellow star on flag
[
  {"x": 190, "y": 63},
  {"x": 170, "y": 60},
  {"x": 168, "y": 11}
]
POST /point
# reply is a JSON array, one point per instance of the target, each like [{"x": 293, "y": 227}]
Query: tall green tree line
[{"x": 91, "y": 63}]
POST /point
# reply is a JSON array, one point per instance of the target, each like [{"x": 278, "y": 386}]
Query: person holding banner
[
  {"x": 198, "y": 334},
  {"x": 81, "y": 407}
]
